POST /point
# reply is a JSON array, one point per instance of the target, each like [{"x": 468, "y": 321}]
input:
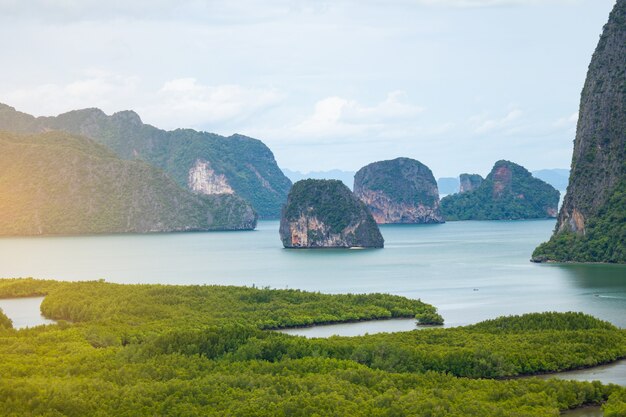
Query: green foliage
[
  {"x": 509, "y": 192},
  {"x": 145, "y": 350},
  {"x": 5, "y": 322},
  {"x": 429, "y": 318},
  {"x": 333, "y": 204},
  {"x": 55, "y": 183},
  {"x": 616, "y": 405},
  {"x": 604, "y": 239}
]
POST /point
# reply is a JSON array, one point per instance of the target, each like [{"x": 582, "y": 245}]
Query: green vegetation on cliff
[
  {"x": 509, "y": 192},
  {"x": 145, "y": 350},
  {"x": 325, "y": 213},
  {"x": 592, "y": 221},
  {"x": 56, "y": 183},
  {"x": 247, "y": 165},
  {"x": 604, "y": 239}
]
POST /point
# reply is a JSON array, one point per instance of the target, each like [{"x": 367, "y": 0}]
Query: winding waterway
[{"x": 471, "y": 271}]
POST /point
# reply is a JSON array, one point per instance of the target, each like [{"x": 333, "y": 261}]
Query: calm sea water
[{"x": 471, "y": 271}]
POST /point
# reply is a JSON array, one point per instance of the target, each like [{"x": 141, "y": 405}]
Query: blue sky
[{"x": 456, "y": 84}]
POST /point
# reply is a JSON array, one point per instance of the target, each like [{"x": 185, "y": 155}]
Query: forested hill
[
  {"x": 204, "y": 162},
  {"x": 592, "y": 221},
  {"x": 57, "y": 183},
  {"x": 509, "y": 192}
]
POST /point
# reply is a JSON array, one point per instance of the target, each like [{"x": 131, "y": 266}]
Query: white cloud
[
  {"x": 183, "y": 102},
  {"x": 339, "y": 117},
  {"x": 215, "y": 11},
  {"x": 508, "y": 123},
  {"x": 567, "y": 122},
  {"x": 95, "y": 89},
  {"x": 487, "y": 3}
]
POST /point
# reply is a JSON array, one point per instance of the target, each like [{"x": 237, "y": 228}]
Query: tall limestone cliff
[
  {"x": 509, "y": 192},
  {"x": 326, "y": 214},
  {"x": 592, "y": 222},
  {"x": 401, "y": 190},
  {"x": 57, "y": 183},
  {"x": 469, "y": 182},
  {"x": 203, "y": 162}
]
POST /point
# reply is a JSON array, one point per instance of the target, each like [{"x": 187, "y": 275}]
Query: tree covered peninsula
[{"x": 145, "y": 350}]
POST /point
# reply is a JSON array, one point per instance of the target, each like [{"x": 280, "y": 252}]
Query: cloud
[
  {"x": 339, "y": 117},
  {"x": 486, "y": 3},
  {"x": 567, "y": 122},
  {"x": 185, "y": 102},
  {"x": 215, "y": 11},
  {"x": 506, "y": 124},
  {"x": 94, "y": 89}
]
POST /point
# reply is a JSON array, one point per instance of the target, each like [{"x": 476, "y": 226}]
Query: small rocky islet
[
  {"x": 400, "y": 190},
  {"x": 326, "y": 214}
]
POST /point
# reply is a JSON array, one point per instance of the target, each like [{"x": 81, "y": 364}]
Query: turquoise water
[
  {"x": 584, "y": 412},
  {"x": 470, "y": 270},
  {"x": 24, "y": 312}
]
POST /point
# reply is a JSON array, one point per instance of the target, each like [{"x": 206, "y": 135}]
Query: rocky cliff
[
  {"x": 204, "y": 162},
  {"x": 469, "y": 182},
  {"x": 509, "y": 192},
  {"x": 401, "y": 190},
  {"x": 56, "y": 183},
  {"x": 592, "y": 221},
  {"x": 326, "y": 214}
]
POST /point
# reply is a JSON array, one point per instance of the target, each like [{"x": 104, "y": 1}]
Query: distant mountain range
[
  {"x": 347, "y": 177},
  {"x": 558, "y": 178},
  {"x": 205, "y": 163}
]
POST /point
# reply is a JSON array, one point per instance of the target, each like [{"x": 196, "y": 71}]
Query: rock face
[
  {"x": 204, "y": 180},
  {"x": 326, "y": 214},
  {"x": 56, "y": 183},
  {"x": 509, "y": 192},
  {"x": 591, "y": 223},
  {"x": 204, "y": 162},
  {"x": 469, "y": 182},
  {"x": 401, "y": 190}
]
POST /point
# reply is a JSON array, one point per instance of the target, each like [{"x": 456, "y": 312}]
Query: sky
[{"x": 455, "y": 84}]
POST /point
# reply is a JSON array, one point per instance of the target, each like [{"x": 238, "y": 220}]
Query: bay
[{"x": 471, "y": 271}]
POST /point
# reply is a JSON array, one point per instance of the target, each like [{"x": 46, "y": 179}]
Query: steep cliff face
[
  {"x": 56, "y": 183},
  {"x": 509, "y": 192},
  {"x": 469, "y": 182},
  {"x": 204, "y": 180},
  {"x": 401, "y": 190},
  {"x": 246, "y": 165},
  {"x": 325, "y": 214},
  {"x": 591, "y": 223},
  {"x": 600, "y": 144}
]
